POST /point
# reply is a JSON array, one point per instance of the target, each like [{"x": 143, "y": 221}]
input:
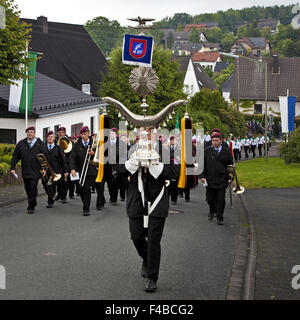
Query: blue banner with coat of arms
[{"x": 137, "y": 50}]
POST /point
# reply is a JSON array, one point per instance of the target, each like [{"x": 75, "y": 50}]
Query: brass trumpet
[
  {"x": 238, "y": 189},
  {"x": 66, "y": 144}
]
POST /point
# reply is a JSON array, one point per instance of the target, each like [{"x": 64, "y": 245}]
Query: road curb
[
  {"x": 10, "y": 202},
  {"x": 242, "y": 278}
]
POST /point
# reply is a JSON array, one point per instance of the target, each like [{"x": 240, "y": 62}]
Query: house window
[
  {"x": 92, "y": 124},
  {"x": 258, "y": 108},
  {"x": 86, "y": 88},
  {"x": 56, "y": 128},
  {"x": 75, "y": 129},
  {"x": 8, "y": 136},
  {"x": 45, "y": 131}
]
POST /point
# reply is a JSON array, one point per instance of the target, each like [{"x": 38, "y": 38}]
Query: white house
[
  {"x": 207, "y": 59},
  {"x": 55, "y": 104}
]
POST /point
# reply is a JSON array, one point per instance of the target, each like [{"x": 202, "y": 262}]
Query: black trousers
[
  {"x": 260, "y": 146},
  {"x": 254, "y": 151},
  {"x": 173, "y": 190},
  {"x": 147, "y": 242},
  {"x": 62, "y": 187},
  {"x": 85, "y": 192},
  {"x": 216, "y": 201},
  {"x": 113, "y": 189},
  {"x": 123, "y": 186},
  {"x": 246, "y": 148},
  {"x": 50, "y": 190},
  {"x": 186, "y": 191},
  {"x": 236, "y": 153},
  {"x": 31, "y": 188}
]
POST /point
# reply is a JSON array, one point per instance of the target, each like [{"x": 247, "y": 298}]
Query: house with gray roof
[
  {"x": 283, "y": 75},
  {"x": 252, "y": 45},
  {"x": 54, "y": 104}
]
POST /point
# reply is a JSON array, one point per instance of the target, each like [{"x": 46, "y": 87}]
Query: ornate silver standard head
[
  {"x": 144, "y": 81},
  {"x": 145, "y": 154}
]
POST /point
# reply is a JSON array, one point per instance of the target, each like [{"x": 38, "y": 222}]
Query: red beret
[
  {"x": 171, "y": 138},
  {"x": 216, "y": 135},
  {"x": 84, "y": 129},
  {"x": 216, "y": 130},
  {"x": 30, "y": 128},
  {"x": 50, "y": 133},
  {"x": 61, "y": 129},
  {"x": 114, "y": 130},
  {"x": 194, "y": 140}
]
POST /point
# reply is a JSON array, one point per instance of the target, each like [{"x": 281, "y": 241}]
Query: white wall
[
  {"x": 226, "y": 96},
  {"x": 18, "y": 124},
  {"x": 273, "y": 106},
  {"x": 190, "y": 81},
  {"x": 64, "y": 119},
  {"x": 67, "y": 120}
]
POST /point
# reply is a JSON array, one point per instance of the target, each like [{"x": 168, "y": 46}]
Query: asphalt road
[{"x": 59, "y": 254}]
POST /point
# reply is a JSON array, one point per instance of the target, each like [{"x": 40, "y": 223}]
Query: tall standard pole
[
  {"x": 238, "y": 78},
  {"x": 26, "y": 91},
  {"x": 266, "y": 110}
]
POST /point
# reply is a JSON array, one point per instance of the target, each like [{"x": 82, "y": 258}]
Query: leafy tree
[
  {"x": 214, "y": 34},
  {"x": 228, "y": 41},
  {"x": 194, "y": 36},
  {"x": 13, "y": 39},
  {"x": 116, "y": 85},
  {"x": 170, "y": 40},
  {"x": 106, "y": 33},
  {"x": 209, "y": 107},
  {"x": 180, "y": 27},
  {"x": 208, "y": 71},
  {"x": 220, "y": 78},
  {"x": 266, "y": 32}
]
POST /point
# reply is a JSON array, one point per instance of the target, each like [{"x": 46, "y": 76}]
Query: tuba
[
  {"x": 238, "y": 189},
  {"x": 66, "y": 144},
  {"x": 51, "y": 176}
]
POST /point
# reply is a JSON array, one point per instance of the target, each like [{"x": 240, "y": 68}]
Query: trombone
[
  {"x": 238, "y": 189},
  {"x": 87, "y": 160}
]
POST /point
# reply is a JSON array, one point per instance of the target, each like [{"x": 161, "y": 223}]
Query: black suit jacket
[
  {"x": 30, "y": 165},
  {"x": 57, "y": 159}
]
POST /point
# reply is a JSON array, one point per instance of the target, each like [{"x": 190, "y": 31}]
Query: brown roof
[
  {"x": 210, "y": 56},
  {"x": 252, "y": 79},
  {"x": 188, "y": 27}
]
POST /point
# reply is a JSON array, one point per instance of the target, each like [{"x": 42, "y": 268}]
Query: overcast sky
[{"x": 79, "y": 11}]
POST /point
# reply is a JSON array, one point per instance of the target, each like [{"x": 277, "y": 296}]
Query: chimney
[
  {"x": 43, "y": 21},
  {"x": 275, "y": 67}
]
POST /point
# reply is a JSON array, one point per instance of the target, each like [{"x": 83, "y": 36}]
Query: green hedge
[
  {"x": 6, "y": 151},
  {"x": 290, "y": 151}
]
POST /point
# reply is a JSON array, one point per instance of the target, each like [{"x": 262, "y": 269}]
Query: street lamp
[{"x": 266, "y": 90}]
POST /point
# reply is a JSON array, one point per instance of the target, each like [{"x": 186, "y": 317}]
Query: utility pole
[{"x": 266, "y": 110}]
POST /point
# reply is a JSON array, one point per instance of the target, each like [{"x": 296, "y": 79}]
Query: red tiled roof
[
  {"x": 210, "y": 56},
  {"x": 188, "y": 27}
]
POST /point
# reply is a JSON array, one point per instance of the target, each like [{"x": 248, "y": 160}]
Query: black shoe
[
  {"x": 180, "y": 196},
  {"x": 30, "y": 211},
  {"x": 57, "y": 198},
  {"x": 72, "y": 197},
  {"x": 173, "y": 203},
  {"x": 113, "y": 203},
  {"x": 123, "y": 200},
  {"x": 210, "y": 216},
  {"x": 99, "y": 208},
  {"x": 144, "y": 271},
  {"x": 64, "y": 201},
  {"x": 220, "y": 222},
  {"x": 86, "y": 213},
  {"x": 151, "y": 285},
  {"x": 49, "y": 206},
  {"x": 187, "y": 200}
]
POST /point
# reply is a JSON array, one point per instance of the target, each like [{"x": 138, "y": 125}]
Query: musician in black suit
[
  {"x": 216, "y": 161},
  {"x": 57, "y": 160},
  {"x": 26, "y": 151},
  {"x": 77, "y": 159}
]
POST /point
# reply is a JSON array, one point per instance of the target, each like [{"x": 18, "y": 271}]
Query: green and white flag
[{"x": 18, "y": 97}]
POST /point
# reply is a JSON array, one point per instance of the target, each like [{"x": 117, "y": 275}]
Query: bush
[
  {"x": 4, "y": 167},
  {"x": 6, "y": 151},
  {"x": 290, "y": 151}
]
